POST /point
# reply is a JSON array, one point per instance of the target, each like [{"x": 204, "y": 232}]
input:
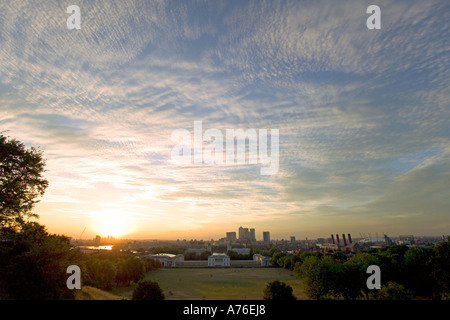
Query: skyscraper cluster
[{"x": 247, "y": 234}]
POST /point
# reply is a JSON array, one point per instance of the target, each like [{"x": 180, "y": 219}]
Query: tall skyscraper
[
  {"x": 246, "y": 234},
  {"x": 252, "y": 235},
  {"x": 266, "y": 236},
  {"x": 231, "y": 237},
  {"x": 243, "y": 233}
]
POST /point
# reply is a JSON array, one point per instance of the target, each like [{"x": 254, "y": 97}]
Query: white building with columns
[{"x": 218, "y": 260}]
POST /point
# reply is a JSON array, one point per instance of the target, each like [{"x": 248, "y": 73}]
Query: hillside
[{"x": 91, "y": 293}]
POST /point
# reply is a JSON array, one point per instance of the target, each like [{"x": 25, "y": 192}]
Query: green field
[
  {"x": 220, "y": 283},
  {"x": 91, "y": 293}
]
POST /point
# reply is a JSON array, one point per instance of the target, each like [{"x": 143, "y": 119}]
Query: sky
[{"x": 363, "y": 115}]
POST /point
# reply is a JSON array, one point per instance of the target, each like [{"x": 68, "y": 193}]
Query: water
[{"x": 98, "y": 247}]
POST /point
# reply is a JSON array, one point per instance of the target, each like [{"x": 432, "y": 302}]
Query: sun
[
  {"x": 113, "y": 222},
  {"x": 113, "y": 226}
]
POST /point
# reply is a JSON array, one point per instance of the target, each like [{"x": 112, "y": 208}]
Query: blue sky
[{"x": 363, "y": 115}]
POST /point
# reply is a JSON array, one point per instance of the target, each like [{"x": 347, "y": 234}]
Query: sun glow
[
  {"x": 115, "y": 225},
  {"x": 113, "y": 228}
]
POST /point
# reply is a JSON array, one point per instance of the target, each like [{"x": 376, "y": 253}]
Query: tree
[
  {"x": 276, "y": 258},
  {"x": 147, "y": 290},
  {"x": 137, "y": 268},
  {"x": 21, "y": 182},
  {"x": 205, "y": 255},
  {"x": 131, "y": 269},
  {"x": 317, "y": 276},
  {"x": 339, "y": 256},
  {"x": 35, "y": 266},
  {"x": 152, "y": 264},
  {"x": 442, "y": 267},
  {"x": 419, "y": 271},
  {"x": 392, "y": 262},
  {"x": 33, "y": 263},
  {"x": 294, "y": 259},
  {"x": 277, "y": 290},
  {"x": 392, "y": 291},
  {"x": 285, "y": 262},
  {"x": 101, "y": 274}
]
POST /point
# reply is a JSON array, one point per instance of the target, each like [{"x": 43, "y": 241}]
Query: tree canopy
[
  {"x": 148, "y": 290},
  {"x": 21, "y": 181},
  {"x": 406, "y": 273},
  {"x": 33, "y": 264},
  {"x": 277, "y": 290}
]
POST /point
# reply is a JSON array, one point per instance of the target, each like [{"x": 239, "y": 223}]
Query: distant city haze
[{"x": 362, "y": 115}]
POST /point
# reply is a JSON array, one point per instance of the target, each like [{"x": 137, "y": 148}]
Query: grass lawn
[
  {"x": 220, "y": 283},
  {"x": 91, "y": 293}
]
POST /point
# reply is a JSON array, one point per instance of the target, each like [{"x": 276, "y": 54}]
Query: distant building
[
  {"x": 218, "y": 260},
  {"x": 387, "y": 241},
  {"x": 352, "y": 248},
  {"x": 266, "y": 236},
  {"x": 327, "y": 247},
  {"x": 346, "y": 245},
  {"x": 406, "y": 239},
  {"x": 292, "y": 238},
  {"x": 252, "y": 235},
  {"x": 242, "y": 251},
  {"x": 197, "y": 251},
  {"x": 264, "y": 261},
  {"x": 244, "y": 234},
  {"x": 231, "y": 237},
  {"x": 247, "y": 234},
  {"x": 167, "y": 259}
]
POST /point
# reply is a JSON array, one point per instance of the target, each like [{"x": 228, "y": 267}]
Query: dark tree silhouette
[
  {"x": 35, "y": 265},
  {"x": 148, "y": 290},
  {"x": 131, "y": 269},
  {"x": 32, "y": 262},
  {"x": 277, "y": 290},
  {"x": 21, "y": 181},
  {"x": 442, "y": 267}
]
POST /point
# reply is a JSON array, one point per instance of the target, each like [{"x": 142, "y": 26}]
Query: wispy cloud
[{"x": 360, "y": 112}]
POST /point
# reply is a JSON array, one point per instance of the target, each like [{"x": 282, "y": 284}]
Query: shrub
[
  {"x": 277, "y": 290},
  {"x": 147, "y": 290}
]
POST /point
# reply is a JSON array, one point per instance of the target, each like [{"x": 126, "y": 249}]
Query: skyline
[
  {"x": 375, "y": 237},
  {"x": 363, "y": 115}
]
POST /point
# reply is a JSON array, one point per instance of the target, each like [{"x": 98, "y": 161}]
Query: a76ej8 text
[{"x": 233, "y": 309}]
